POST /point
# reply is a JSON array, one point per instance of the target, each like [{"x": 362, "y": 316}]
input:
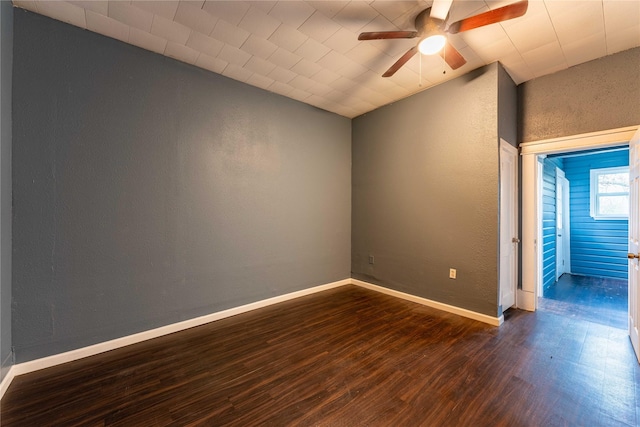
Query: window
[{"x": 610, "y": 193}]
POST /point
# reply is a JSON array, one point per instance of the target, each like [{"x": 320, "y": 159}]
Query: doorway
[
  {"x": 595, "y": 289},
  {"x": 531, "y": 153}
]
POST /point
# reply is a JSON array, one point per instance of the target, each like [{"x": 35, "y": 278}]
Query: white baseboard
[
  {"x": 69, "y": 356},
  {"x": 495, "y": 321},
  {"x": 6, "y": 381}
]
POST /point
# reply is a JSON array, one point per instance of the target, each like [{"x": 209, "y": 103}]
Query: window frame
[{"x": 594, "y": 194}]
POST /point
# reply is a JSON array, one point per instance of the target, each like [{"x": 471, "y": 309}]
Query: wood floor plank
[{"x": 346, "y": 357}]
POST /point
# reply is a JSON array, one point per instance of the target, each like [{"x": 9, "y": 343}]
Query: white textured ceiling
[{"x": 308, "y": 50}]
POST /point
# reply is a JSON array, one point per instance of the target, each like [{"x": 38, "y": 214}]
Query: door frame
[{"x": 530, "y": 151}]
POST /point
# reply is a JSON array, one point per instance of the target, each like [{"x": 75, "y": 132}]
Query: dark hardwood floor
[
  {"x": 595, "y": 299},
  {"x": 347, "y": 357}
]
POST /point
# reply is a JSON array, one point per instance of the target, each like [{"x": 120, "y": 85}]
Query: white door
[
  {"x": 634, "y": 240},
  {"x": 562, "y": 224},
  {"x": 508, "y": 224}
]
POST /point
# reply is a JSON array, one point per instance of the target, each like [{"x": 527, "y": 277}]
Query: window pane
[
  {"x": 613, "y": 183},
  {"x": 614, "y": 205}
]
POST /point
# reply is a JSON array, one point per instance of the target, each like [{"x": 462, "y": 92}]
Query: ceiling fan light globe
[{"x": 432, "y": 44}]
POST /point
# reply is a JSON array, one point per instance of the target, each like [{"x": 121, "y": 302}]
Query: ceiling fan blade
[
  {"x": 452, "y": 57},
  {"x": 497, "y": 15},
  {"x": 440, "y": 9},
  {"x": 400, "y": 62},
  {"x": 381, "y": 35}
]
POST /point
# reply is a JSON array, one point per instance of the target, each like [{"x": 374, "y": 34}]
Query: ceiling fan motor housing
[{"x": 427, "y": 25}]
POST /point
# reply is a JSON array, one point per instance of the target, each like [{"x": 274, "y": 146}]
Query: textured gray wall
[
  {"x": 147, "y": 191},
  {"x": 6, "y": 62},
  {"x": 597, "y": 95},
  {"x": 507, "y": 107},
  {"x": 425, "y": 193}
]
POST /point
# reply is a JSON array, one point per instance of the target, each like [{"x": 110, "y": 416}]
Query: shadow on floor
[{"x": 594, "y": 299}]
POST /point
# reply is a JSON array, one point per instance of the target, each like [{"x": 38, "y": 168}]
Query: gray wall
[
  {"x": 147, "y": 191},
  {"x": 6, "y": 62},
  {"x": 507, "y": 107},
  {"x": 597, "y": 95},
  {"x": 425, "y": 193}
]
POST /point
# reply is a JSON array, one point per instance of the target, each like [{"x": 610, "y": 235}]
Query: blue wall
[{"x": 598, "y": 248}]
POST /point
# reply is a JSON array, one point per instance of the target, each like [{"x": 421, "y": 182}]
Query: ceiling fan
[{"x": 431, "y": 29}]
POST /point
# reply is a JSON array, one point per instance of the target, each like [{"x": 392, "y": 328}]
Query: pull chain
[{"x": 420, "y": 77}]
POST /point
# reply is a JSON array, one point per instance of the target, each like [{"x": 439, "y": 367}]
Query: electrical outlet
[
  {"x": 452, "y": 273},
  {"x": 371, "y": 260}
]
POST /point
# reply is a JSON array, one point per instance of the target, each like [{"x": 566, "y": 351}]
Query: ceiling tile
[
  {"x": 236, "y": 72},
  {"x": 259, "y": 47},
  {"x": 259, "y": 23},
  {"x": 301, "y": 82},
  {"x": 230, "y": 11},
  {"x": 393, "y": 9},
  {"x": 319, "y": 89},
  {"x": 306, "y": 68},
  {"x": 27, "y": 5},
  {"x": 352, "y": 70},
  {"x": 212, "y": 64},
  {"x": 585, "y": 49},
  {"x": 292, "y": 13},
  {"x": 63, "y": 11},
  {"x": 355, "y": 15},
  {"x": 312, "y": 50},
  {"x": 97, "y": 6},
  {"x": 288, "y": 37},
  {"x": 164, "y": 8},
  {"x": 260, "y": 81},
  {"x": 259, "y": 66},
  {"x": 519, "y": 72},
  {"x": 370, "y": 79},
  {"x": 109, "y": 27},
  {"x": 580, "y": 20},
  {"x": 204, "y": 44},
  {"x": 328, "y": 8},
  {"x": 233, "y": 55},
  {"x": 326, "y": 76},
  {"x": 170, "y": 30},
  {"x": 192, "y": 16},
  {"x": 284, "y": 58},
  {"x": 343, "y": 84},
  {"x": 380, "y": 23},
  {"x": 520, "y": 31},
  {"x": 181, "y": 52},
  {"x": 281, "y": 88},
  {"x": 265, "y": 5},
  {"x": 282, "y": 75},
  {"x": 132, "y": 16},
  {"x": 621, "y": 14},
  {"x": 545, "y": 59},
  {"x": 146, "y": 40},
  {"x": 229, "y": 33},
  {"x": 366, "y": 53},
  {"x": 334, "y": 61},
  {"x": 342, "y": 41},
  {"x": 407, "y": 78},
  {"x": 494, "y": 51},
  {"x": 624, "y": 39},
  {"x": 299, "y": 94},
  {"x": 319, "y": 27}
]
